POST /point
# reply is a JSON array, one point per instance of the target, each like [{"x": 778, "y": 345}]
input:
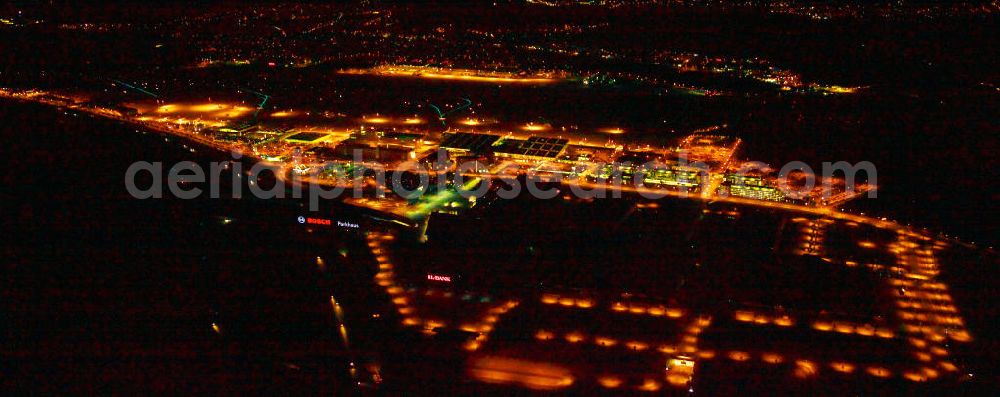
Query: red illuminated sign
[
  {"x": 315, "y": 221},
  {"x": 435, "y": 277},
  {"x": 327, "y": 222},
  {"x": 318, "y": 221}
]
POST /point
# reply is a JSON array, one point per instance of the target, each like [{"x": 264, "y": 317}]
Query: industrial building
[
  {"x": 463, "y": 143},
  {"x": 306, "y": 137},
  {"x": 753, "y": 187},
  {"x": 534, "y": 148},
  {"x": 383, "y": 153}
]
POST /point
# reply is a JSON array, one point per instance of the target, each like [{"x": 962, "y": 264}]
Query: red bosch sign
[
  {"x": 315, "y": 221},
  {"x": 435, "y": 277}
]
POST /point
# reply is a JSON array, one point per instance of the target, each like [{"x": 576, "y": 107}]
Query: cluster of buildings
[{"x": 701, "y": 162}]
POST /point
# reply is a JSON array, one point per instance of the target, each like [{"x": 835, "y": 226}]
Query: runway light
[
  {"x": 637, "y": 346},
  {"x": 960, "y": 336},
  {"x": 884, "y": 333},
  {"x": 649, "y": 385},
  {"x": 914, "y": 377},
  {"x": 574, "y": 337},
  {"x": 844, "y": 328},
  {"x": 947, "y": 366},
  {"x": 784, "y": 321},
  {"x": 880, "y": 372},
  {"x": 772, "y": 358},
  {"x": 822, "y": 326},
  {"x": 744, "y": 316},
  {"x": 805, "y": 369},
  {"x": 842, "y": 367},
  {"x": 609, "y": 382},
  {"x": 376, "y": 120}
]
